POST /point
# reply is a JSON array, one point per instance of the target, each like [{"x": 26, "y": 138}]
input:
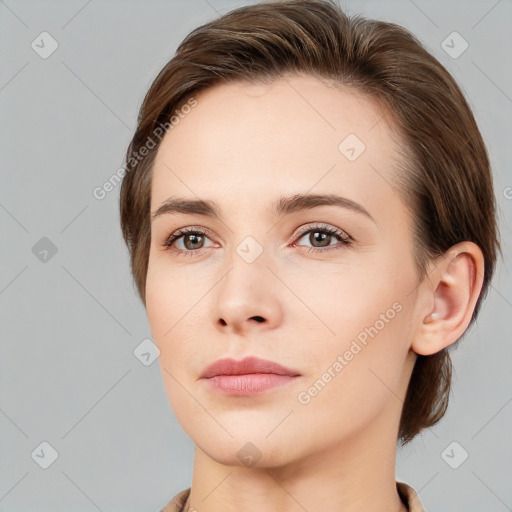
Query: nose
[{"x": 249, "y": 297}]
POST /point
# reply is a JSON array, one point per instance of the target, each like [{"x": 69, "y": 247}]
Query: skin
[{"x": 244, "y": 146}]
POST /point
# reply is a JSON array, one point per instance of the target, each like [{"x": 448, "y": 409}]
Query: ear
[{"x": 447, "y": 298}]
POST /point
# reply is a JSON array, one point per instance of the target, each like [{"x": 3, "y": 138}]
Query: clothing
[{"x": 180, "y": 502}]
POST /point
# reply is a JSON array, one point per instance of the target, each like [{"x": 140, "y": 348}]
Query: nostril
[{"x": 258, "y": 318}]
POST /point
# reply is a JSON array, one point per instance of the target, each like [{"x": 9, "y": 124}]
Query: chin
[{"x": 245, "y": 450}]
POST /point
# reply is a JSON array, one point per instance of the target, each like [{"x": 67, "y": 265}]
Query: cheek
[
  {"x": 158, "y": 306},
  {"x": 171, "y": 320},
  {"x": 171, "y": 295},
  {"x": 355, "y": 380},
  {"x": 175, "y": 307},
  {"x": 166, "y": 304},
  {"x": 344, "y": 301},
  {"x": 363, "y": 334}
]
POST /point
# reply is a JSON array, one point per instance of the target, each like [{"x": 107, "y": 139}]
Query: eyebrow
[{"x": 283, "y": 206}]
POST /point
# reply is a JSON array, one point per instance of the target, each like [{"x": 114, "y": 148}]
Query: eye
[
  {"x": 192, "y": 239},
  {"x": 323, "y": 236}
]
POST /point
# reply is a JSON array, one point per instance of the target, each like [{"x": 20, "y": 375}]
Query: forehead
[{"x": 292, "y": 135}]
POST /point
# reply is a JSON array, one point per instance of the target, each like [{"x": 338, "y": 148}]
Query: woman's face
[{"x": 264, "y": 278}]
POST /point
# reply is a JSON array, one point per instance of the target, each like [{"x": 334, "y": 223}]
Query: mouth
[
  {"x": 247, "y": 377},
  {"x": 248, "y": 384},
  {"x": 248, "y": 365}
]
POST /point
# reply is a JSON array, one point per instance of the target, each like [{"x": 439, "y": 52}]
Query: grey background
[{"x": 69, "y": 325}]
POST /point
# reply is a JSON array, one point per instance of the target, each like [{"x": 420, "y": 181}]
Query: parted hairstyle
[{"x": 444, "y": 175}]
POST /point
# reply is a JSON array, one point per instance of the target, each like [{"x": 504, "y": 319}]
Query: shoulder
[
  {"x": 178, "y": 503},
  {"x": 409, "y": 497}
]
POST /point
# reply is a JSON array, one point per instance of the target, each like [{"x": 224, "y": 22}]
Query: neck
[{"x": 357, "y": 474}]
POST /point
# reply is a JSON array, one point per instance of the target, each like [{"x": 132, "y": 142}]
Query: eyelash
[{"x": 345, "y": 239}]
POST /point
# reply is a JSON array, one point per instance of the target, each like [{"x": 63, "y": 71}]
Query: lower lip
[{"x": 248, "y": 384}]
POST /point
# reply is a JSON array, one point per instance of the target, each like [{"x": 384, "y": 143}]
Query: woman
[{"x": 310, "y": 215}]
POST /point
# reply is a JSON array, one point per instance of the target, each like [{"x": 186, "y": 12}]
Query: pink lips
[{"x": 246, "y": 377}]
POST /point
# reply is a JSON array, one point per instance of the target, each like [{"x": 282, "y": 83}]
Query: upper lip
[{"x": 247, "y": 365}]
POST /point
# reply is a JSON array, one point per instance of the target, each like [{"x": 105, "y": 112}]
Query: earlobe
[{"x": 451, "y": 291}]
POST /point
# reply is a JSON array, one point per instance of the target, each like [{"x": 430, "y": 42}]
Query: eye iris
[
  {"x": 193, "y": 238},
  {"x": 320, "y": 238}
]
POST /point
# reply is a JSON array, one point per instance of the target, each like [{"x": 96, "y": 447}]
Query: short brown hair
[{"x": 445, "y": 176}]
